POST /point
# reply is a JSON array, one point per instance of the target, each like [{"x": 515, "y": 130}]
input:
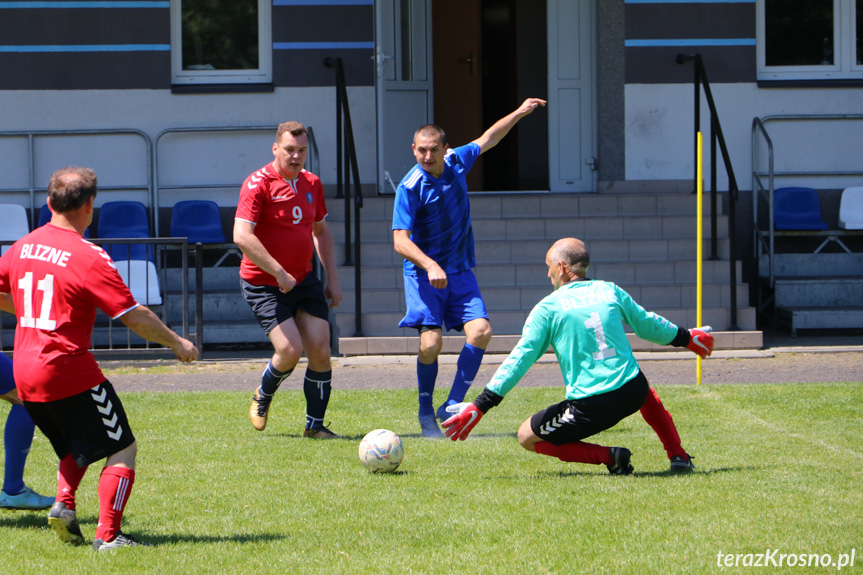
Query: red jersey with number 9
[
  {"x": 57, "y": 280},
  {"x": 283, "y": 213}
]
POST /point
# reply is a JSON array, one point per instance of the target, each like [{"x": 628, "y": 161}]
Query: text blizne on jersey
[{"x": 45, "y": 254}]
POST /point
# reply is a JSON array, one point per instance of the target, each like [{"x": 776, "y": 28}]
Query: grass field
[{"x": 779, "y": 467}]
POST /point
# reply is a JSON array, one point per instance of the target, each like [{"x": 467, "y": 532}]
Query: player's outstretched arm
[
  {"x": 501, "y": 128},
  {"x": 146, "y": 324}
]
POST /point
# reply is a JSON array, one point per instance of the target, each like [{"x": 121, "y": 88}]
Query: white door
[
  {"x": 403, "y": 83},
  {"x": 571, "y": 81}
]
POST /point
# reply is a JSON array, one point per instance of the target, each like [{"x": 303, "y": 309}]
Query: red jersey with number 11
[{"x": 57, "y": 280}]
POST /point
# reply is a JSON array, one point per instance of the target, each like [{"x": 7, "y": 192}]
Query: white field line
[{"x": 804, "y": 438}]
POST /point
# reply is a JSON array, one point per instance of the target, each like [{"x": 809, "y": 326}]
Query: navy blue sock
[
  {"x": 272, "y": 378},
  {"x": 17, "y": 440},
  {"x": 468, "y": 364},
  {"x": 426, "y": 376},
  {"x": 317, "y": 387}
]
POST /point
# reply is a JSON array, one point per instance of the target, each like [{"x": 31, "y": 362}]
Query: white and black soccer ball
[{"x": 381, "y": 451}]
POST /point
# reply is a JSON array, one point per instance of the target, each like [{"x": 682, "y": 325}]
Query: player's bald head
[
  {"x": 69, "y": 188},
  {"x": 571, "y": 252}
]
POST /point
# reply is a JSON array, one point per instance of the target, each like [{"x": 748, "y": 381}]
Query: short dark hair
[
  {"x": 431, "y": 129},
  {"x": 69, "y": 188},
  {"x": 295, "y": 128}
]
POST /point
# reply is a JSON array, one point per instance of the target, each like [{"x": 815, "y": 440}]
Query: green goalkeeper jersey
[{"x": 583, "y": 321}]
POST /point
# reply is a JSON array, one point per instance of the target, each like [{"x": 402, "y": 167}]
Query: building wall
[
  {"x": 81, "y": 68},
  {"x": 659, "y": 96},
  {"x": 107, "y": 64}
]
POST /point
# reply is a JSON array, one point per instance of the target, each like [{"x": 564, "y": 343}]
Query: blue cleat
[
  {"x": 27, "y": 499},
  {"x": 442, "y": 413},
  {"x": 429, "y": 427}
]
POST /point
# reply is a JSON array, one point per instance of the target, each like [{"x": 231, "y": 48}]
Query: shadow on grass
[
  {"x": 470, "y": 437},
  {"x": 647, "y": 474},
  {"x": 391, "y": 473},
  {"x": 204, "y": 539},
  {"x": 694, "y": 473},
  {"x": 283, "y": 435},
  {"x": 24, "y": 519},
  {"x": 38, "y": 520}
]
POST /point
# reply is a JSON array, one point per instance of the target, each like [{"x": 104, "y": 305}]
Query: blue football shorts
[
  {"x": 7, "y": 382},
  {"x": 455, "y": 305}
]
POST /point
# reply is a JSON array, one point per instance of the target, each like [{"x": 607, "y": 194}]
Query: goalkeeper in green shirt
[{"x": 582, "y": 321}]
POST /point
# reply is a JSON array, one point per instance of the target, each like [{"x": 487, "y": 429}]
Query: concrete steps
[
  {"x": 643, "y": 242},
  {"x": 817, "y": 291},
  {"x": 503, "y": 344}
]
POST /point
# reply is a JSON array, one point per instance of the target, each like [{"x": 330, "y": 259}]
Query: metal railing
[
  {"x": 110, "y": 338},
  {"x": 716, "y": 137},
  {"x": 348, "y": 179},
  {"x": 32, "y": 188},
  {"x": 152, "y": 187},
  {"x": 314, "y": 160},
  {"x": 766, "y": 239}
]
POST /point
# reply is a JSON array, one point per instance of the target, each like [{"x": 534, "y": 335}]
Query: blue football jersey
[{"x": 437, "y": 212}]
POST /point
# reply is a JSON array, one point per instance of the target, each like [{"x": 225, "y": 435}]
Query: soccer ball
[{"x": 381, "y": 451}]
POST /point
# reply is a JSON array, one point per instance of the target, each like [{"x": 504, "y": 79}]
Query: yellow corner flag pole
[{"x": 698, "y": 249}]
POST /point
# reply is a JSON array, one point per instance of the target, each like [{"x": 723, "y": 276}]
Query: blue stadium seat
[
  {"x": 198, "y": 220},
  {"x": 797, "y": 209},
  {"x": 125, "y": 219},
  {"x": 45, "y": 217}
]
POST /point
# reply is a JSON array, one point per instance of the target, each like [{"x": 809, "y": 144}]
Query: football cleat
[
  {"x": 621, "y": 457},
  {"x": 429, "y": 427},
  {"x": 64, "y": 522},
  {"x": 27, "y": 499},
  {"x": 320, "y": 433},
  {"x": 260, "y": 409},
  {"x": 442, "y": 414},
  {"x": 121, "y": 540},
  {"x": 680, "y": 464}
]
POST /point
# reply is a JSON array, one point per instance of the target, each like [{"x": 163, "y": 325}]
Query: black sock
[
  {"x": 316, "y": 388},
  {"x": 272, "y": 378}
]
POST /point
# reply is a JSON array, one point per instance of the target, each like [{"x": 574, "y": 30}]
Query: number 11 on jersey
[{"x": 46, "y": 286}]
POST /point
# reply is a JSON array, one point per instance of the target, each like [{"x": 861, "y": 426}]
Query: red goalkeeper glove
[
  {"x": 462, "y": 423},
  {"x": 700, "y": 341}
]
